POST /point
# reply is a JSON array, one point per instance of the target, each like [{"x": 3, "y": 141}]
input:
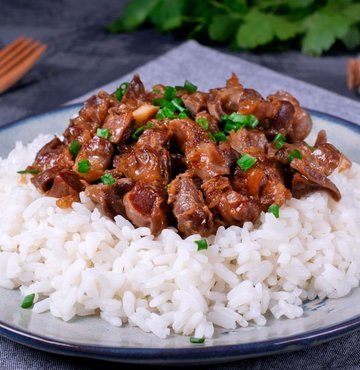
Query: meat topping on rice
[{"x": 194, "y": 160}]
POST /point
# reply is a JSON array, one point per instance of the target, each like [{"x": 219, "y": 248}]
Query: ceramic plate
[{"x": 92, "y": 337}]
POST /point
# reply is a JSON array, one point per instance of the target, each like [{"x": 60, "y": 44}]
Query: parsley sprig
[{"x": 314, "y": 26}]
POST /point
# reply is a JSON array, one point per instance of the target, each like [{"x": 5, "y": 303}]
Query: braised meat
[{"x": 175, "y": 156}]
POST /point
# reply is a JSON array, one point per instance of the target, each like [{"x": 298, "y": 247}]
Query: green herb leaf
[
  {"x": 183, "y": 115},
  {"x": 189, "y": 87},
  {"x": 121, "y": 90},
  {"x": 167, "y": 15},
  {"x": 74, "y": 148},
  {"x": 274, "y": 209},
  {"x": 294, "y": 154},
  {"x": 32, "y": 171},
  {"x": 169, "y": 93},
  {"x": 202, "y": 244},
  {"x": 28, "y": 301},
  {"x": 84, "y": 166},
  {"x": 246, "y": 162},
  {"x": 137, "y": 133},
  {"x": 203, "y": 123},
  {"x": 108, "y": 179},
  {"x": 219, "y": 136},
  {"x": 103, "y": 132},
  {"x": 197, "y": 340},
  {"x": 279, "y": 141},
  {"x": 178, "y": 104},
  {"x": 217, "y": 29},
  {"x": 236, "y": 121}
]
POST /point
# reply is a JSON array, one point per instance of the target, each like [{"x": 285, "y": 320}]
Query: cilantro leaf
[
  {"x": 217, "y": 29},
  {"x": 322, "y": 31},
  {"x": 167, "y": 15}
]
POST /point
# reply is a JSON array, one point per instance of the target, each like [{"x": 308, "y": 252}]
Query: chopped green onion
[
  {"x": 178, "y": 104},
  {"x": 160, "y": 115},
  {"x": 168, "y": 113},
  {"x": 236, "y": 121},
  {"x": 203, "y": 123},
  {"x": 197, "y": 340},
  {"x": 274, "y": 209},
  {"x": 279, "y": 141},
  {"x": 294, "y": 154},
  {"x": 219, "y": 136},
  {"x": 183, "y": 115},
  {"x": 161, "y": 102},
  {"x": 202, "y": 244},
  {"x": 189, "y": 87},
  {"x": 169, "y": 93},
  {"x": 74, "y": 148},
  {"x": 28, "y": 301},
  {"x": 33, "y": 171},
  {"x": 246, "y": 162},
  {"x": 103, "y": 132},
  {"x": 149, "y": 124},
  {"x": 136, "y": 134},
  {"x": 121, "y": 90},
  {"x": 84, "y": 166},
  {"x": 108, "y": 179},
  {"x": 212, "y": 137}
]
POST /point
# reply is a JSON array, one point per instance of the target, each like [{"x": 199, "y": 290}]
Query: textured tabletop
[{"x": 81, "y": 57}]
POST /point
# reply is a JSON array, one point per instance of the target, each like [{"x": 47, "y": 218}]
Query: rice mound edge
[{"x": 78, "y": 262}]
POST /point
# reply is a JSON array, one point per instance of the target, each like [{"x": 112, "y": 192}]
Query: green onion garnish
[
  {"x": 33, "y": 171},
  {"x": 183, "y": 115},
  {"x": 246, "y": 162},
  {"x": 84, "y": 166},
  {"x": 169, "y": 93},
  {"x": 274, "y": 209},
  {"x": 161, "y": 102},
  {"x": 136, "y": 134},
  {"x": 108, "y": 179},
  {"x": 279, "y": 141},
  {"x": 28, "y": 301},
  {"x": 236, "y": 121},
  {"x": 178, "y": 104},
  {"x": 168, "y": 113},
  {"x": 120, "y": 91},
  {"x": 103, "y": 132},
  {"x": 202, "y": 244},
  {"x": 197, "y": 340},
  {"x": 219, "y": 136},
  {"x": 189, "y": 87},
  {"x": 74, "y": 148},
  {"x": 203, "y": 123},
  {"x": 294, "y": 154}
]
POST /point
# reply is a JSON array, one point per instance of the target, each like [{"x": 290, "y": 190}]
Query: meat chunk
[
  {"x": 233, "y": 207},
  {"x": 96, "y": 108},
  {"x": 54, "y": 153},
  {"x": 244, "y": 139},
  {"x": 66, "y": 183},
  {"x": 207, "y": 161},
  {"x": 195, "y": 102},
  {"x": 157, "y": 137},
  {"x": 80, "y": 130},
  {"x": 98, "y": 151},
  {"x": 120, "y": 123},
  {"x": 145, "y": 205},
  {"x": 44, "y": 180},
  {"x": 146, "y": 164},
  {"x": 189, "y": 208},
  {"x": 110, "y": 197},
  {"x": 135, "y": 94}
]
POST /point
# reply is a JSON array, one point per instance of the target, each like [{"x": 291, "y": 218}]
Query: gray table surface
[{"x": 82, "y": 56}]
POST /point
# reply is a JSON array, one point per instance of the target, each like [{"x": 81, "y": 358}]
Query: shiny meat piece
[
  {"x": 120, "y": 124},
  {"x": 155, "y": 138},
  {"x": 187, "y": 134},
  {"x": 54, "y": 153},
  {"x": 146, "y": 164},
  {"x": 213, "y": 125},
  {"x": 195, "y": 102},
  {"x": 321, "y": 138},
  {"x": 243, "y": 138},
  {"x": 66, "y": 183},
  {"x": 96, "y": 108},
  {"x": 135, "y": 94},
  {"x": 234, "y": 208},
  {"x": 80, "y": 130},
  {"x": 44, "y": 180},
  {"x": 189, "y": 209},
  {"x": 145, "y": 205},
  {"x": 206, "y": 161},
  {"x": 110, "y": 197},
  {"x": 315, "y": 174},
  {"x": 302, "y": 186},
  {"x": 98, "y": 151}
]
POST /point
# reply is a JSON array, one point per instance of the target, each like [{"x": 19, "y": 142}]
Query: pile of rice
[{"x": 79, "y": 262}]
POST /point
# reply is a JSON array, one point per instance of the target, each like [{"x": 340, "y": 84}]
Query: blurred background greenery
[{"x": 314, "y": 26}]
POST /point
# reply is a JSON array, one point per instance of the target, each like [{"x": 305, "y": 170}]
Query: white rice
[{"x": 79, "y": 262}]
